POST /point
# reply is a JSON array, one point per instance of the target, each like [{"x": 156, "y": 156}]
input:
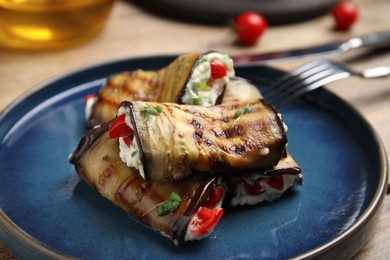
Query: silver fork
[{"x": 313, "y": 75}]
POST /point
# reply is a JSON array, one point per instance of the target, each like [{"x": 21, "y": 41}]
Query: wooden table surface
[{"x": 133, "y": 32}]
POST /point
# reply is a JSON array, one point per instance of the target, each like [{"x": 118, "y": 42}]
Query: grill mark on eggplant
[
  {"x": 105, "y": 175},
  {"x": 107, "y": 100},
  {"x": 130, "y": 79},
  {"x": 149, "y": 82},
  {"x": 198, "y": 134},
  {"x": 238, "y": 129},
  {"x": 196, "y": 124}
]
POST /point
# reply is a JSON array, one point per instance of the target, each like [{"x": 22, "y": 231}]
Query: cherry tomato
[
  {"x": 249, "y": 27},
  {"x": 218, "y": 69},
  {"x": 214, "y": 198},
  {"x": 205, "y": 220},
  {"x": 119, "y": 128},
  {"x": 344, "y": 14},
  {"x": 88, "y": 97}
]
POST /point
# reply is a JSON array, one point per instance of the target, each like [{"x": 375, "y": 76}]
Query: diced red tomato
[
  {"x": 214, "y": 198},
  {"x": 119, "y": 128},
  {"x": 128, "y": 140},
  {"x": 88, "y": 97},
  {"x": 276, "y": 182},
  {"x": 218, "y": 69},
  {"x": 260, "y": 185},
  {"x": 205, "y": 220},
  {"x": 255, "y": 188}
]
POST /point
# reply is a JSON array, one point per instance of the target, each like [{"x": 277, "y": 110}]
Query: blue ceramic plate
[{"x": 47, "y": 211}]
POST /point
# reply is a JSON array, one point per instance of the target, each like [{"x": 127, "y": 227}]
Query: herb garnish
[
  {"x": 167, "y": 206},
  {"x": 152, "y": 111},
  {"x": 201, "y": 86},
  {"x": 197, "y": 101},
  {"x": 203, "y": 59},
  {"x": 240, "y": 112},
  {"x": 134, "y": 153}
]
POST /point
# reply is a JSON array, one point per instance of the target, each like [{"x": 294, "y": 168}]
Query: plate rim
[
  {"x": 372, "y": 210},
  {"x": 18, "y": 235}
]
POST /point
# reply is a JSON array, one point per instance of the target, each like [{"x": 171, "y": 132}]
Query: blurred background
[{"x": 131, "y": 30}]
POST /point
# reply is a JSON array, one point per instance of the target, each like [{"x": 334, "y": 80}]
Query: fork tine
[
  {"x": 309, "y": 84},
  {"x": 308, "y": 77},
  {"x": 288, "y": 84},
  {"x": 283, "y": 83},
  {"x": 290, "y": 76},
  {"x": 291, "y": 85}
]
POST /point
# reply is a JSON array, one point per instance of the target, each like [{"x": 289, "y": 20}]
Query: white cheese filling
[
  {"x": 242, "y": 198},
  {"x": 201, "y": 90},
  {"x": 88, "y": 107},
  {"x": 130, "y": 155}
]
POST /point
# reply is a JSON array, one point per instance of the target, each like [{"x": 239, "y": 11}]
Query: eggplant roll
[
  {"x": 167, "y": 141},
  {"x": 194, "y": 78},
  {"x": 97, "y": 161}
]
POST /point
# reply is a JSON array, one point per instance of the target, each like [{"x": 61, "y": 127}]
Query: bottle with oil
[{"x": 50, "y": 24}]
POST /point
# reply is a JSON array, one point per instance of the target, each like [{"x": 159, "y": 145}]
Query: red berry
[
  {"x": 249, "y": 27},
  {"x": 344, "y": 14},
  {"x": 218, "y": 69}
]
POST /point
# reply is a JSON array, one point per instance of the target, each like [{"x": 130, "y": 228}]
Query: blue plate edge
[{"x": 364, "y": 224}]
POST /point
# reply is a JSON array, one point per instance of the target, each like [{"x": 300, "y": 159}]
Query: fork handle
[{"x": 376, "y": 72}]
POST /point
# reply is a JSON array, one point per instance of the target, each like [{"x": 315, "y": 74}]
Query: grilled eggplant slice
[
  {"x": 187, "y": 80},
  {"x": 171, "y": 140},
  {"x": 240, "y": 89},
  {"x": 97, "y": 161}
]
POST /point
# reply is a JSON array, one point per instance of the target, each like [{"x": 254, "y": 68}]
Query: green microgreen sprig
[
  {"x": 167, "y": 206},
  {"x": 240, "y": 112},
  {"x": 201, "y": 86},
  {"x": 150, "y": 110}
]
